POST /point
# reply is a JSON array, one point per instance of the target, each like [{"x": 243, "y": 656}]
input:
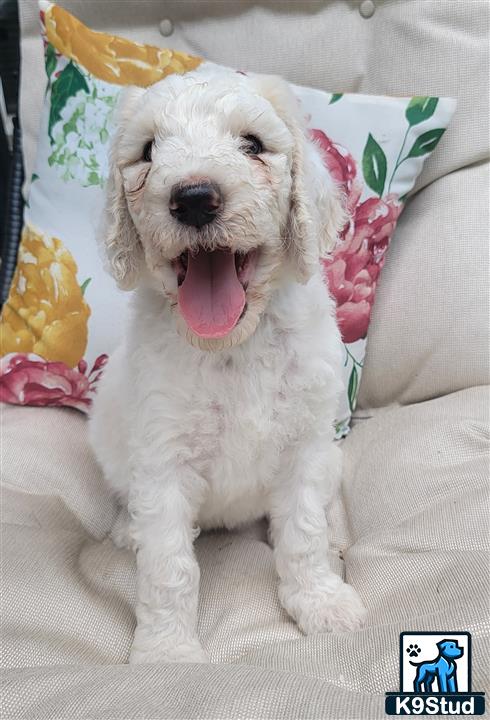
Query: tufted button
[
  {"x": 166, "y": 27},
  {"x": 367, "y": 8}
]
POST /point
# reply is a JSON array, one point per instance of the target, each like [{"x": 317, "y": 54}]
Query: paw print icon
[{"x": 413, "y": 651}]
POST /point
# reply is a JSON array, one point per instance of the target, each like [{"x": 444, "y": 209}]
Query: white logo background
[{"x": 429, "y": 651}]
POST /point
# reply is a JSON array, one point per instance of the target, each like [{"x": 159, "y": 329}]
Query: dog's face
[
  {"x": 450, "y": 649},
  {"x": 216, "y": 196}
]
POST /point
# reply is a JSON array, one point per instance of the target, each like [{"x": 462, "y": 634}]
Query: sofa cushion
[
  {"x": 411, "y": 535},
  {"x": 429, "y": 332}
]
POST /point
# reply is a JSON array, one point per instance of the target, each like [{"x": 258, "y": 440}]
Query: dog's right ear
[{"x": 120, "y": 240}]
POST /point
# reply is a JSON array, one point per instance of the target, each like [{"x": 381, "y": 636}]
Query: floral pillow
[{"x": 64, "y": 316}]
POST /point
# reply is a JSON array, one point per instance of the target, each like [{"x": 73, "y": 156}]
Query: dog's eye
[
  {"x": 147, "y": 151},
  {"x": 252, "y": 145}
]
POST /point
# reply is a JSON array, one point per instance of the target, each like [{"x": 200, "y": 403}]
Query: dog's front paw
[
  {"x": 168, "y": 652},
  {"x": 317, "y": 611}
]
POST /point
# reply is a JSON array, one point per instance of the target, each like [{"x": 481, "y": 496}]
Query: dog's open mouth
[{"x": 212, "y": 287}]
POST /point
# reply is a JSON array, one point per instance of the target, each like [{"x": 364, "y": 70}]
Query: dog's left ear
[{"x": 316, "y": 213}]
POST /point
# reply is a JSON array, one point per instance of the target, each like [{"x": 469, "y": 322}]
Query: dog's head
[
  {"x": 450, "y": 649},
  {"x": 215, "y": 196}
]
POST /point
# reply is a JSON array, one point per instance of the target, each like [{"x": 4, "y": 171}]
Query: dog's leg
[
  {"x": 161, "y": 529},
  {"x": 309, "y": 590}
]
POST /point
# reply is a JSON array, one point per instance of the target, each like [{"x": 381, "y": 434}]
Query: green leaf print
[
  {"x": 50, "y": 61},
  {"x": 420, "y": 109},
  {"x": 352, "y": 389},
  {"x": 341, "y": 428},
  {"x": 93, "y": 178},
  {"x": 426, "y": 142},
  {"x": 335, "y": 98},
  {"x": 69, "y": 82},
  {"x": 85, "y": 285},
  {"x": 374, "y": 165}
]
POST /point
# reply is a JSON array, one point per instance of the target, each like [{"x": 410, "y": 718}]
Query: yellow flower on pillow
[
  {"x": 109, "y": 57},
  {"x": 45, "y": 312}
]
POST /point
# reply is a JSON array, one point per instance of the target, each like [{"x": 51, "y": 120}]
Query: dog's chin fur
[{"x": 244, "y": 429}]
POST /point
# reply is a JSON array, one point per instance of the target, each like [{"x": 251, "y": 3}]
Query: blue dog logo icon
[
  {"x": 435, "y": 675},
  {"x": 443, "y": 670}
]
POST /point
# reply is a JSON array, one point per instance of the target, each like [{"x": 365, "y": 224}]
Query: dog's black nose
[{"x": 196, "y": 204}]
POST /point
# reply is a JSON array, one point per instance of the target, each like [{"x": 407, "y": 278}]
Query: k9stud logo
[{"x": 435, "y": 676}]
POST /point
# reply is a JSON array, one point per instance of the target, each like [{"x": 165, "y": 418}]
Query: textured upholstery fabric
[
  {"x": 412, "y": 530},
  {"x": 429, "y": 333}
]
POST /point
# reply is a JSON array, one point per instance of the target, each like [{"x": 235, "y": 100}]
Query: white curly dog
[{"x": 219, "y": 407}]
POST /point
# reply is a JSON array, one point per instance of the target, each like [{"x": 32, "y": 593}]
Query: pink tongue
[{"x": 211, "y": 298}]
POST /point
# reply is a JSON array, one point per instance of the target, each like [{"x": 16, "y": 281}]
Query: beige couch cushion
[
  {"x": 429, "y": 333},
  {"x": 413, "y": 531}
]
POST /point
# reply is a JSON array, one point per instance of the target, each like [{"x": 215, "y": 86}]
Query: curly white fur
[{"x": 193, "y": 432}]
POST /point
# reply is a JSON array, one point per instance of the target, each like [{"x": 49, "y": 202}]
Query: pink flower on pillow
[
  {"x": 341, "y": 166},
  {"x": 27, "y": 379},
  {"x": 354, "y": 267},
  {"x": 353, "y": 270}
]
